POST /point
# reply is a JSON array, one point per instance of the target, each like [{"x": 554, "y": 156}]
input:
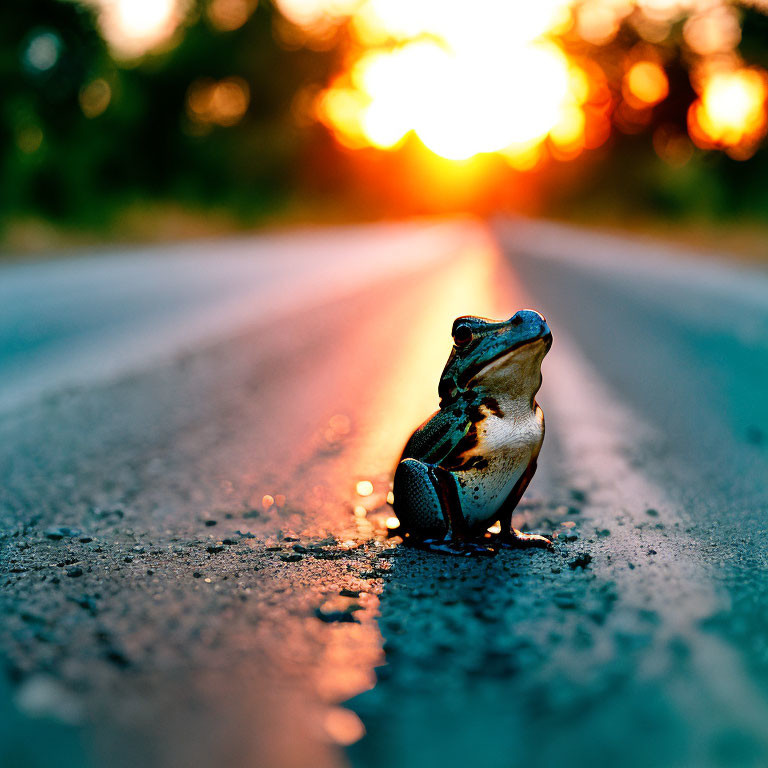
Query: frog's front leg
[
  {"x": 428, "y": 507},
  {"x": 509, "y": 537}
]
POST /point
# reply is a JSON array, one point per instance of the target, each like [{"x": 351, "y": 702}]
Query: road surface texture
[{"x": 196, "y": 446}]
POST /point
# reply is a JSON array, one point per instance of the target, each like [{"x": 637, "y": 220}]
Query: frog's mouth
[{"x": 498, "y": 361}]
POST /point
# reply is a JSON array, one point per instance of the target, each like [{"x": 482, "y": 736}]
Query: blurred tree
[
  {"x": 246, "y": 152},
  {"x": 83, "y": 133},
  {"x": 48, "y": 50}
]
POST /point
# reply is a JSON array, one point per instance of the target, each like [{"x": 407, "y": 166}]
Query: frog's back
[{"x": 435, "y": 438}]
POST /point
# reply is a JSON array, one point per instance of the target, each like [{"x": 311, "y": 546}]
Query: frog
[{"x": 468, "y": 465}]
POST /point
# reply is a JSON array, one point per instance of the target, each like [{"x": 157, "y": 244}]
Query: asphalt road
[{"x": 191, "y": 576}]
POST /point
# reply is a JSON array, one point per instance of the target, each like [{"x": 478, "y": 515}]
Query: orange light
[
  {"x": 714, "y": 30},
  {"x": 570, "y": 129},
  {"x": 310, "y": 13},
  {"x": 462, "y": 89},
  {"x": 731, "y": 112},
  {"x": 223, "y": 102},
  {"x": 645, "y": 84},
  {"x": 524, "y": 158},
  {"x": 341, "y": 109},
  {"x": 228, "y": 15},
  {"x": 598, "y": 23}
]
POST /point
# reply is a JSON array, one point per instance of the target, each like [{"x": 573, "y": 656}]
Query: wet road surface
[{"x": 191, "y": 576}]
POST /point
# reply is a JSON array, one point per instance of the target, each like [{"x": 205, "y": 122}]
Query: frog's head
[{"x": 498, "y": 358}]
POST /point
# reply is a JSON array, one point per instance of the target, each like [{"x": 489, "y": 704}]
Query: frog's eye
[{"x": 462, "y": 335}]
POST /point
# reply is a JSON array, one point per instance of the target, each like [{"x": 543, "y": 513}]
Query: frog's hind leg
[
  {"x": 427, "y": 505},
  {"x": 418, "y": 505},
  {"x": 509, "y": 537}
]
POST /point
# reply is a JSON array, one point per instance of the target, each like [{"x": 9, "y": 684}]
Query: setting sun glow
[
  {"x": 463, "y": 88},
  {"x": 497, "y": 77}
]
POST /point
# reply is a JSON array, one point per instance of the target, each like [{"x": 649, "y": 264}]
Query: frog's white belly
[{"x": 508, "y": 444}]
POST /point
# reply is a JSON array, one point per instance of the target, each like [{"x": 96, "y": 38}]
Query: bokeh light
[
  {"x": 645, "y": 84},
  {"x": 42, "y": 52},
  {"x": 515, "y": 82},
  {"x": 95, "y": 97},
  {"x": 228, "y": 15},
  {"x": 715, "y": 29},
  {"x": 364, "y": 488},
  {"x": 222, "y": 102},
  {"x": 730, "y": 112},
  {"x": 132, "y": 27}
]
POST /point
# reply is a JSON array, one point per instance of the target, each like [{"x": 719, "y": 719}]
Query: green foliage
[
  {"x": 58, "y": 163},
  {"x": 47, "y": 147}
]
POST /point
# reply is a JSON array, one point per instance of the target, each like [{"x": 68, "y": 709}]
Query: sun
[{"x": 496, "y": 85}]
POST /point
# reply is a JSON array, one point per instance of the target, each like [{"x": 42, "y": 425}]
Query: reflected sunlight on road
[
  {"x": 407, "y": 385},
  {"x": 402, "y": 393}
]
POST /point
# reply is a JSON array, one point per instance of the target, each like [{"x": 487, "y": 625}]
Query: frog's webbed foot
[
  {"x": 454, "y": 546},
  {"x": 514, "y": 539}
]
